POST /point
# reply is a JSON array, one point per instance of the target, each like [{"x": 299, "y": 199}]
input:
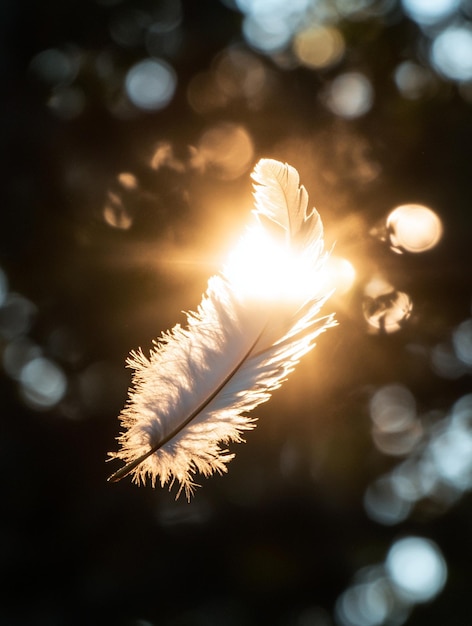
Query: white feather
[{"x": 194, "y": 391}]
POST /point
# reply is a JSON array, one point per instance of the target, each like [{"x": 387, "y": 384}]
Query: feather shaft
[{"x": 129, "y": 467}]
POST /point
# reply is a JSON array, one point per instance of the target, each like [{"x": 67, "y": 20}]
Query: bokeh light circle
[
  {"x": 393, "y": 407},
  {"x": 462, "y": 341},
  {"x": 350, "y": 95},
  {"x": 385, "y": 309},
  {"x": 451, "y": 452},
  {"x": 43, "y": 383},
  {"x": 319, "y": 46},
  {"x": 17, "y": 354},
  {"x": 451, "y": 53},
  {"x": 151, "y": 84},
  {"x": 383, "y": 504},
  {"x": 266, "y": 35},
  {"x": 428, "y": 12},
  {"x": 413, "y": 228},
  {"x": 55, "y": 67},
  {"x": 412, "y": 80},
  {"x": 16, "y": 316},
  {"x": 369, "y": 602},
  {"x": 417, "y": 568}
]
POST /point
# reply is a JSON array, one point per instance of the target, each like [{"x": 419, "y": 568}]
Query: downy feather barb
[{"x": 191, "y": 396}]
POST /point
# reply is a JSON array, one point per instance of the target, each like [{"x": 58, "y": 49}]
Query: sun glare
[
  {"x": 265, "y": 268},
  {"x": 261, "y": 267}
]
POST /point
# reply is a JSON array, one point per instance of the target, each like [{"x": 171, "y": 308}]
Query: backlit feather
[{"x": 191, "y": 396}]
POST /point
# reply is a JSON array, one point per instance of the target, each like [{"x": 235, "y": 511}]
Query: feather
[{"x": 259, "y": 315}]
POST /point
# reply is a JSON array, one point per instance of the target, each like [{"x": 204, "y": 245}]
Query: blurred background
[{"x": 129, "y": 131}]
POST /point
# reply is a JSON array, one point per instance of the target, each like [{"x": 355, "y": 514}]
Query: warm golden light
[
  {"x": 261, "y": 267},
  {"x": 319, "y": 46},
  {"x": 385, "y": 309},
  {"x": 163, "y": 156},
  {"x": 127, "y": 181},
  {"x": 115, "y": 213},
  {"x": 414, "y": 228},
  {"x": 340, "y": 274}
]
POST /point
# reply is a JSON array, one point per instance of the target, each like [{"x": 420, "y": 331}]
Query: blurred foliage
[{"x": 129, "y": 130}]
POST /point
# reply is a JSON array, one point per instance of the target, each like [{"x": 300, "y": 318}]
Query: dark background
[{"x": 94, "y": 268}]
